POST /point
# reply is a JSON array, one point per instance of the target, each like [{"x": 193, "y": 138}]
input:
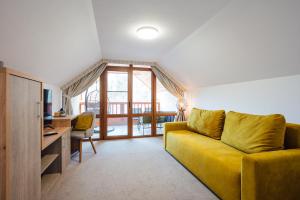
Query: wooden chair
[{"x": 85, "y": 135}]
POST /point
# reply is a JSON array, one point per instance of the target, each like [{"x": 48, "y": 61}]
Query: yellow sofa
[{"x": 232, "y": 174}]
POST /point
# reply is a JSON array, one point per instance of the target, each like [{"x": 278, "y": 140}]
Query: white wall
[
  {"x": 278, "y": 95},
  {"x": 54, "y": 40},
  {"x": 56, "y": 97}
]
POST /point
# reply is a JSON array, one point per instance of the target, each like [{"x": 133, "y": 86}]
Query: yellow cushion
[
  {"x": 207, "y": 122},
  {"x": 292, "y": 136},
  {"x": 254, "y": 133},
  {"x": 84, "y": 122},
  {"x": 213, "y": 162}
]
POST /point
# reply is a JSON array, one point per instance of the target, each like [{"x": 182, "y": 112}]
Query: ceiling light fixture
[{"x": 147, "y": 32}]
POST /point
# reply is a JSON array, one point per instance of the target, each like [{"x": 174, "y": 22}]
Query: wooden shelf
[
  {"x": 48, "y": 182},
  {"x": 47, "y": 160},
  {"x": 47, "y": 140}
]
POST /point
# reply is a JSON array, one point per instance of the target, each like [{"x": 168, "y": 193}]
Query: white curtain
[
  {"x": 81, "y": 83},
  {"x": 174, "y": 88}
]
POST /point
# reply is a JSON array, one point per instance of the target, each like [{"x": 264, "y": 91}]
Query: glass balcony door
[
  {"x": 116, "y": 103},
  {"x": 131, "y": 105},
  {"x": 142, "y": 103}
]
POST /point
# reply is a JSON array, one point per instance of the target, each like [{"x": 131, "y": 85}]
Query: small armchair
[{"x": 84, "y": 135}]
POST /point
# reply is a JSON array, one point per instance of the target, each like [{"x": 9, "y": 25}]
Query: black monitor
[{"x": 47, "y": 107}]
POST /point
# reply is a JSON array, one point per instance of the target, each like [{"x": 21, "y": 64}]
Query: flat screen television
[{"x": 47, "y": 107}]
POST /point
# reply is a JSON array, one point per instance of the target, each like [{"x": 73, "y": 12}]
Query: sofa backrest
[{"x": 292, "y": 136}]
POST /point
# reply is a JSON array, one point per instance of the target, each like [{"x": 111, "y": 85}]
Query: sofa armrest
[
  {"x": 271, "y": 175},
  {"x": 173, "y": 126}
]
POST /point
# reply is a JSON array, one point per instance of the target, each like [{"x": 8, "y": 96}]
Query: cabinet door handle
[{"x": 38, "y": 104}]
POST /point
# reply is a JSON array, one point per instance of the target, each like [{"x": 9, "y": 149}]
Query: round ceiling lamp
[{"x": 147, "y": 32}]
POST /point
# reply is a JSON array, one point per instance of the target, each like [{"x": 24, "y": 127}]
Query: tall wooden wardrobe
[{"x": 20, "y": 136}]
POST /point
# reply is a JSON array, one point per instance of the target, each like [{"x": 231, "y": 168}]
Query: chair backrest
[{"x": 94, "y": 118}]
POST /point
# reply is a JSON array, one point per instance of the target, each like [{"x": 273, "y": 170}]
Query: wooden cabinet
[
  {"x": 20, "y": 136},
  {"x": 66, "y": 150}
]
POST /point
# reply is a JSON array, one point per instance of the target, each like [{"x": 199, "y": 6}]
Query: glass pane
[
  {"x": 141, "y": 125},
  {"x": 166, "y": 102},
  {"x": 117, "y": 92},
  {"x": 117, "y": 126},
  {"x": 96, "y": 134},
  {"x": 89, "y": 100},
  {"x": 160, "y": 120},
  {"x": 117, "y": 81},
  {"x": 141, "y": 92}
]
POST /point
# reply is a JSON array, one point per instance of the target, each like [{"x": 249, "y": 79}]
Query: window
[
  {"x": 166, "y": 102},
  {"x": 89, "y": 101},
  {"x": 166, "y": 107},
  {"x": 141, "y": 92},
  {"x": 128, "y": 105}
]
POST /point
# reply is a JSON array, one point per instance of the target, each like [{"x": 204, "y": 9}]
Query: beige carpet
[{"x": 135, "y": 169}]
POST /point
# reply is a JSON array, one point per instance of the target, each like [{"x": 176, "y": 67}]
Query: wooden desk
[
  {"x": 63, "y": 121},
  {"x": 56, "y": 153},
  {"x": 47, "y": 140}
]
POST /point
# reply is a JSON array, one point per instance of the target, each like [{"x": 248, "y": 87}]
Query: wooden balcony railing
[{"x": 119, "y": 107}]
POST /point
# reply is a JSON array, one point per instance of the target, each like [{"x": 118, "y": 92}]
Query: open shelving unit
[
  {"x": 51, "y": 165},
  {"x": 47, "y": 160},
  {"x": 48, "y": 181}
]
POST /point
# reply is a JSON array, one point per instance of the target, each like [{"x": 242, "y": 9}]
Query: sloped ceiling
[
  {"x": 202, "y": 43},
  {"x": 54, "y": 40},
  {"x": 118, "y": 20},
  {"x": 246, "y": 40}
]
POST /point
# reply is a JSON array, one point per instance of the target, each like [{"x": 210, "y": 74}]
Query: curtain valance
[
  {"x": 173, "y": 87},
  {"x": 81, "y": 83}
]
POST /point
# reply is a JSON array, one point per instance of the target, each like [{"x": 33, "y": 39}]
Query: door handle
[{"x": 38, "y": 104}]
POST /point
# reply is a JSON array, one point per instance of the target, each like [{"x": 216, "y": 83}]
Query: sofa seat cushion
[{"x": 213, "y": 162}]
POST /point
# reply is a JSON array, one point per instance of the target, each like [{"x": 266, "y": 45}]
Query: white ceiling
[{"x": 118, "y": 20}]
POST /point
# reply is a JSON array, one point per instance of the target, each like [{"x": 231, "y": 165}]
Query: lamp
[
  {"x": 147, "y": 32},
  {"x": 181, "y": 105}
]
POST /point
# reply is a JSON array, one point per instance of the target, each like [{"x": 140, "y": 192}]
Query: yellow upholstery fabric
[
  {"x": 254, "y": 133},
  {"x": 233, "y": 174},
  {"x": 292, "y": 136},
  {"x": 84, "y": 122},
  {"x": 173, "y": 126},
  {"x": 215, "y": 163},
  {"x": 271, "y": 175},
  {"x": 207, "y": 122}
]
